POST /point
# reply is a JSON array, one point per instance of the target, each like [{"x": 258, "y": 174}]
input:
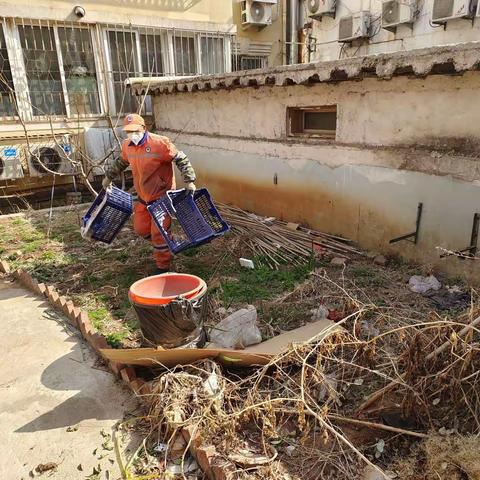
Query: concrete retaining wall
[{"x": 399, "y": 142}]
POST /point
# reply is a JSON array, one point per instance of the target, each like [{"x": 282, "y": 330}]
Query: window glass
[
  {"x": 152, "y": 56},
  {"x": 313, "y": 121},
  {"x": 80, "y": 73},
  {"x": 7, "y": 108},
  {"x": 42, "y": 69},
  {"x": 248, "y": 62},
  {"x": 213, "y": 56},
  {"x": 320, "y": 121},
  {"x": 124, "y": 61},
  {"x": 185, "y": 59}
]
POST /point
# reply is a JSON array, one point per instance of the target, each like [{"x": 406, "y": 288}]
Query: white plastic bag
[
  {"x": 238, "y": 330},
  {"x": 420, "y": 284}
]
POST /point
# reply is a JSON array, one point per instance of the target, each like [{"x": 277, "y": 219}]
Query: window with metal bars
[
  {"x": 40, "y": 57},
  {"x": 124, "y": 63},
  {"x": 59, "y": 65},
  {"x": 248, "y": 62},
  {"x": 79, "y": 67},
  {"x": 7, "y": 107},
  {"x": 212, "y": 52},
  {"x": 185, "y": 55}
]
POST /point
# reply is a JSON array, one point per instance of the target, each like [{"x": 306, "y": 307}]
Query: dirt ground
[
  {"x": 386, "y": 337},
  {"x": 97, "y": 276}
]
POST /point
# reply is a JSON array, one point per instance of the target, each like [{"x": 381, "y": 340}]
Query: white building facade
[{"x": 337, "y": 29}]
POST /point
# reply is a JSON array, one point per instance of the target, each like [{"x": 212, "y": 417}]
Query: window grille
[
  {"x": 79, "y": 67},
  {"x": 62, "y": 69},
  {"x": 7, "y": 108},
  {"x": 42, "y": 69}
]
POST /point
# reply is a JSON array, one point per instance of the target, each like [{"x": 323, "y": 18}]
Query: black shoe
[{"x": 159, "y": 271}]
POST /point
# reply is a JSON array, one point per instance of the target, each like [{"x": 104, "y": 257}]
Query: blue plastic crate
[
  {"x": 107, "y": 215},
  {"x": 197, "y": 216}
]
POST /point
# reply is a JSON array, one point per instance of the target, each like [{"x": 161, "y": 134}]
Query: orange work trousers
[{"x": 145, "y": 227}]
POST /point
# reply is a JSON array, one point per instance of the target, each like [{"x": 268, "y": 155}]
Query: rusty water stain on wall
[{"x": 370, "y": 205}]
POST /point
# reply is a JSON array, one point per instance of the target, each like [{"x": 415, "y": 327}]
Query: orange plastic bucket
[{"x": 163, "y": 289}]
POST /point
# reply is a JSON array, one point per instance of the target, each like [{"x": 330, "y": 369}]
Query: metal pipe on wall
[{"x": 293, "y": 32}]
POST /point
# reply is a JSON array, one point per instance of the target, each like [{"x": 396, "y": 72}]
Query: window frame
[
  {"x": 7, "y": 34},
  {"x": 240, "y": 57},
  {"x": 104, "y": 75},
  {"x": 108, "y": 62},
  {"x": 19, "y": 73},
  {"x": 311, "y": 133},
  {"x": 225, "y": 51}
]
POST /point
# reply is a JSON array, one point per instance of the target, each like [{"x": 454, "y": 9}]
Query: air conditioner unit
[
  {"x": 318, "y": 8},
  {"x": 444, "y": 10},
  {"x": 55, "y": 156},
  {"x": 397, "y": 12},
  {"x": 354, "y": 27},
  {"x": 10, "y": 162},
  {"x": 257, "y": 13}
]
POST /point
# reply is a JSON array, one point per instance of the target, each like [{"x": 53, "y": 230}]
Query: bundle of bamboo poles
[{"x": 280, "y": 242}]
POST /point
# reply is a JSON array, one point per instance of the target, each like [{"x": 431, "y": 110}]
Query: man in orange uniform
[{"x": 151, "y": 157}]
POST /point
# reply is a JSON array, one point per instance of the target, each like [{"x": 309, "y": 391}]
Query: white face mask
[{"x": 135, "y": 137}]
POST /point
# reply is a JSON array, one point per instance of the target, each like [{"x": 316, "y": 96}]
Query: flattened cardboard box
[{"x": 259, "y": 354}]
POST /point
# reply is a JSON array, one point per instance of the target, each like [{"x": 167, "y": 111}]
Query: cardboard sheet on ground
[{"x": 259, "y": 354}]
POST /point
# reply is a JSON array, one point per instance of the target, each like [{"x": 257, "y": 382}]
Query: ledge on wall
[{"x": 446, "y": 60}]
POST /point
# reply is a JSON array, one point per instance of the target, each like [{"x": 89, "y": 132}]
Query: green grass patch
[
  {"x": 98, "y": 317},
  {"x": 364, "y": 276},
  {"x": 262, "y": 283},
  {"x": 116, "y": 339}
]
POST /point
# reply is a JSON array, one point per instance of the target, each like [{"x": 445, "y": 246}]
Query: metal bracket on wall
[
  {"x": 411, "y": 237},
  {"x": 470, "y": 251}
]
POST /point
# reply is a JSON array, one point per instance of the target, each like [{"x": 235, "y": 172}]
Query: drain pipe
[{"x": 293, "y": 27}]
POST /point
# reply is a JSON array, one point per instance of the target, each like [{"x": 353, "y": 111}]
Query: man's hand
[
  {"x": 190, "y": 187},
  {"x": 106, "y": 182}
]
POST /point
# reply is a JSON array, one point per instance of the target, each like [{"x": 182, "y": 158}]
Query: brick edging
[
  {"x": 79, "y": 319},
  {"x": 212, "y": 464}
]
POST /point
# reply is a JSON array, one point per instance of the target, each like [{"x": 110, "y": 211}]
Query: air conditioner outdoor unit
[
  {"x": 354, "y": 27},
  {"x": 397, "y": 12},
  {"x": 444, "y": 10},
  {"x": 10, "y": 162},
  {"x": 55, "y": 156},
  {"x": 318, "y": 8},
  {"x": 257, "y": 13}
]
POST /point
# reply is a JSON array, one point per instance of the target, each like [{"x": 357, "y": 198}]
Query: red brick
[
  {"x": 192, "y": 437},
  {"x": 141, "y": 387},
  {"x": 4, "y": 266},
  {"x": 41, "y": 288},
  {"x": 98, "y": 341},
  {"x": 60, "y": 303},
  {"x": 69, "y": 311},
  {"x": 204, "y": 457},
  {"x": 136, "y": 386},
  {"x": 223, "y": 469},
  {"x": 52, "y": 295},
  {"x": 77, "y": 312},
  {"x": 84, "y": 324},
  {"x": 116, "y": 367},
  {"x": 128, "y": 374},
  {"x": 23, "y": 277},
  {"x": 146, "y": 390}
]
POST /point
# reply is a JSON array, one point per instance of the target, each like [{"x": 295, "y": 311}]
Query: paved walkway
[{"x": 50, "y": 382}]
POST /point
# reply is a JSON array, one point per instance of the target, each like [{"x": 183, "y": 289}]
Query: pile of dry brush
[{"x": 345, "y": 400}]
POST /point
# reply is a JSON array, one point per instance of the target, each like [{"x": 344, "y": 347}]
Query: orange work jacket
[{"x": 152, "y": 167}]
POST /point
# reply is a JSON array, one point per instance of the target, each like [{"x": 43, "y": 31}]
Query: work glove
[
  {"x": 190, "y": 188},
  {"x": 106, "y": 182}
]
